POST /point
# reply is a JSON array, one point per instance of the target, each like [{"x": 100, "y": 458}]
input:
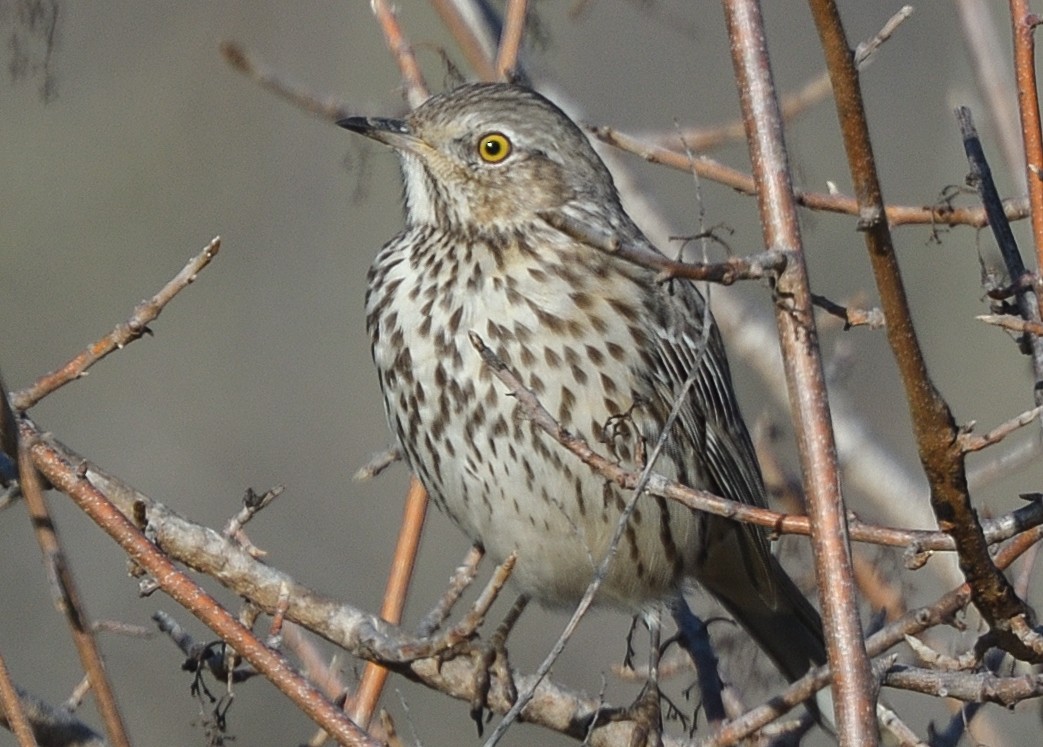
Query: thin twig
[
  {"x": 462, "y": 577},
  {"x": 367, "y": 695},
  {"x": 852, "y": 317},
  {"x": 11, "y": 711},
  {"x": 970, "y": 442},
  {"x": 941, "y": 214},
  {"x": 377, "y": 464},
  {"x": 510, "y": 41},
  {"x": 791, "y": 105},
  {"x": 144, "y": 314},
  {"x": 1013, "y": 323},
  {"x": 702, "y": 139},
  {"x": 402, "y": 51},
  {"x": 249, "y": 65},
  {"x": 757, "y": 266},
  {"x": 996, "y": 530},
  {"x": 499, "y": 369}
]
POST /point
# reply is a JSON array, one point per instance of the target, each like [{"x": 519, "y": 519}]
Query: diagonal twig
[
  {"x": 68, "y": 600},
  {"x": 145, "y": 313}
]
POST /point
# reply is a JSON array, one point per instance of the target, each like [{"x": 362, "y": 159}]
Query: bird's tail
[{"x": 765, "y": 601}]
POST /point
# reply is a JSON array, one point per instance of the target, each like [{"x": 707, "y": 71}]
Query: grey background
[{"x": 259, "y": 373}]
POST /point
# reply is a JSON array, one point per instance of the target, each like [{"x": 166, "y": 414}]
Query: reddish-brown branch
[
  {"x": 853, "y": 685},
  {"x": 69, "y": 602},
  {"x": 367, "y": 695},
  {"x": 510, "y": 40},
  {"x": 1023, "y": 27},
  {"x": 472, "y": 47},
  {"x": 935, "y": 428},
  {"x": 11, "y": 711},
  {"x": 190, "y": 595},
  {"x": 897, "y": 215},
  {"x": 144, "y": 314},
  {"x": 402, "y": 51}
]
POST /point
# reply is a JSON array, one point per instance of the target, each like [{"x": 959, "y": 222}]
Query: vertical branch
[
  {"x": 1024, "y": 25},
  {"x": 981, "y": 175},
  {"x": 853, "y": 685},
  {"x": 988, "y": 57},
  {"x": 937, "y": 435},
  {"x": 374, "y": 676},
  {"x": 462, "y": 24},
  {"x": 510, "y": 40}
]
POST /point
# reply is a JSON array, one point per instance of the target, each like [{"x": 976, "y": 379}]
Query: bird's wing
[{"x": 709, "y": 423}]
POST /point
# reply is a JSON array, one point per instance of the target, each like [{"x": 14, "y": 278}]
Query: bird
[{"x": 604, "y": 344}]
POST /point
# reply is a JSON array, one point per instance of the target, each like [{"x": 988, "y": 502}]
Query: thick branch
[
  {"x": 937, "y": 435},
  {"x": 853, "y": 685}
]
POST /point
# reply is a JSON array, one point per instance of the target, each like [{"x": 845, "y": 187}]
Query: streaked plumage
[{"x": 604, "y": 346}]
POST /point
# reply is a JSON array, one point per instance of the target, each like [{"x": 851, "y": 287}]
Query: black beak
[{"x": 374, "y": 127}]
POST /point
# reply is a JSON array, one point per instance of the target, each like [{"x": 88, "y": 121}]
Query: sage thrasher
[{"x": 604, "y": 345}]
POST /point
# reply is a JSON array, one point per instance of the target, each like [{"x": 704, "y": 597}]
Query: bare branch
[
  {"x": 402, "y": 51},
  {"x": 144, "y": 314},
  {"x": 187, "y": 593}
]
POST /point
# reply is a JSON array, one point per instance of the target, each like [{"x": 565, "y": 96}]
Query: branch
[
  {"x": 1023, "y": 28},
  {"x": 327, "y": 107},
  {"x": 982, "y": 687},
  {"x": 374, "y": 676},
  {"x": 1012, "y": 323},
  {"x": 510, "y": 41},
  {"x": 144, "y": 314},
  {"x": 187, "y": 593},
  {"x": 937, "y": 435},
  {"x": 853, "y": 685},
  {"x": 969, "y": 442},
  {"x": 12, "y": 713},
  {"x": 915, "y": 621},
  {"x": 941, "y": 214},
  {"x": 402, "y": 51},
  {"x": 1025, "y": 296},
  {"x": 68, "y": 600},
  {"x": 758, "y": 266},
  {"x": 361, "y": 634}
]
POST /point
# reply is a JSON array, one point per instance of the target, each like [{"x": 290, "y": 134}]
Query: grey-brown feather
[{"x": 605, "y": 347}]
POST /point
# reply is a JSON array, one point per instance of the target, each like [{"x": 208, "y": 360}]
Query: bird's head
[{"x": 490, "y": 155}]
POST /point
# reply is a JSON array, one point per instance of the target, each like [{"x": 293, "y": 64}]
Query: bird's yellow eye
[{"x": 494, "y": 147}]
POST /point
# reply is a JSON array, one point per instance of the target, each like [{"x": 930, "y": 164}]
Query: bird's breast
[{"x": 575, "y": 335}]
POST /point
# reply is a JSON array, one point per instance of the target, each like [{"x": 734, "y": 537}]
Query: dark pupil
[{"x": 493, "y": 148}]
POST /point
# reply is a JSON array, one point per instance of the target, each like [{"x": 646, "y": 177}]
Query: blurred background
[{"x": 130, "y": 144}]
